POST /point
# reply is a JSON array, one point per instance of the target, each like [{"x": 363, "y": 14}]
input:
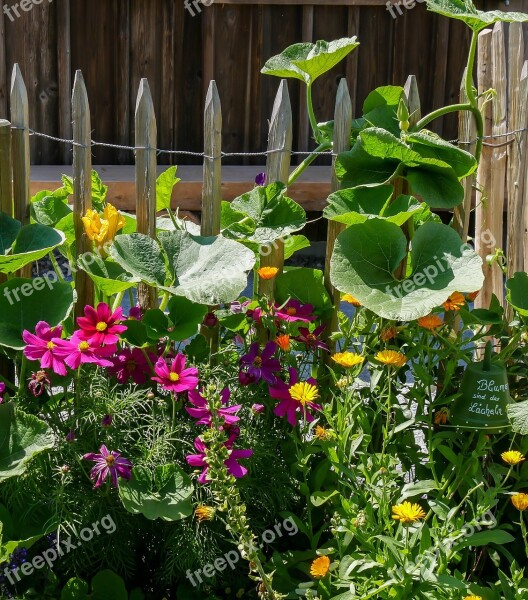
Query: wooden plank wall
[{"x": 118, "y": 42}]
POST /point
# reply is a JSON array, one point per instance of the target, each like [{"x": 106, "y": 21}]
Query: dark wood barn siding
[{"x": 116, "y": 42}]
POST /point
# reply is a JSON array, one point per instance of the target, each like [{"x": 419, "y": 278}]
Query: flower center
[
  {"x": 257, "y": 362},
  {"x": 83, "y": 346},
  {"x": 291, "y": 311},
  {"x": 310, "y": 338},
  {"x": 110, "y": 460},
  {"x": 101, "y": 326},
  {"x": 131, "y": 366},
  {"x": 50, "y": 345},
  {"x": 174, "y": 377},
  {"x": 304, "y": 392}
]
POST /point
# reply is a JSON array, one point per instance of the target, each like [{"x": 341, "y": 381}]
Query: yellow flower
[
  {"x": 204, "y": 513},
  {"x": 391, "y": 358},
  {"x": 430, "y": 322},
  {"x": 472, "y": 598},
  {"x": 454, "y": 302},
  {"x": 348, "y": 359},
  {"x": 304, "y": 392},
  {"x": 407, "y": 512},
  {"x": 283, "y": 342},
  {"x": 268, "y": 272},
  {"x": 351, "y": 300},
  {"x": 441, "y": 416},
  {"x": 512, "y": 457},
  {"x": 104, "y": 230},
  {"x": 323, "y": 434},
  {"x": 388, "y": 334},
  {"x": 520, "y": 501},
  {"x": 320, "y": 567}
]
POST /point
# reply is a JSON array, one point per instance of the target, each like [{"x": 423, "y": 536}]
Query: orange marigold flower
[
  {"x": 391, "y": 358},
  {"x": 430, "y": 322},
  {"x": 351, "y": 300},
  {"x": 320, "y": 567},
  {"x": 454, "y": 302},
  {"x": 441, "y": 416},
  {"x": 388, "y": 333},
  {"x": 283, "y": 342},
  {"x": 520, "y": 501},
  {"x": 268, "y": 272}
]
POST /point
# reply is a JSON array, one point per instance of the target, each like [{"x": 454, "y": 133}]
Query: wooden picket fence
[{"x": 502, "y": 173}]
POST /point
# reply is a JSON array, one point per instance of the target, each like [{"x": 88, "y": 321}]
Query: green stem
[
  {"x": 311, "y": 112},
  {"x": 56, "y": 267},
  {"x": 440, "y": 112},
  {"x": 117, "y": 301},
  {"x": 308, "y": 161},
  {"x": 165, "y": 301},
  {"x": 22, "y": 373}
]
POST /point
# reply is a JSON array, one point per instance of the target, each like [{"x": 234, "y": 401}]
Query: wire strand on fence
[{"x": 158, "y": 151}]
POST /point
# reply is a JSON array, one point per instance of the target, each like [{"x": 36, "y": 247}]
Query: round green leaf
[
  {"x": 185, "y": 316},
  {"x": 32, "y": 243},
  {"x": 109, "y": 277},
  {"x": 141, "y": 256},
  {"x": 106, "y": 584},
  {"x": 9, "y": 229}
]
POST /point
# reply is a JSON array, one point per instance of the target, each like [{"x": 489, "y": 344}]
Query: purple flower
[
  {"x": 108, "y": 463},
  {"x": 42, "y": 346},
  {"x": 78, "y": 351},
  {"x": 177, "y": 378},
  {"x": 233, "y": 467},
  {"x": 210, "y": 320},
  {"x": 258, "y": 409},
  {"x": 135, "y": 313},
  {"x": 312, "y": 340},
  {"x": 106, "y": 421},
  {"x": 131, "y": 363},
  {"x": 296, "y": 398},
  {"x": 260, "y": 179},
  {"x": 261, "y": 365},
  {"x": 39, "y": 382},
  {"x": 202, "y": 413},
  {"x": 293, "y": 310},
  {"x": 70, "y": 437}
]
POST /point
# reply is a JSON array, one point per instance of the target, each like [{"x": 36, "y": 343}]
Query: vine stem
[{"x": 308, "y": 161}]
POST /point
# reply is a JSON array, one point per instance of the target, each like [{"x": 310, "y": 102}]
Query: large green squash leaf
[
  {"x": 165, "y": 494},
  {"x": 22, "y": 436},
  {"x": 367, "y": 255},
  {"x": 109, "y": 277},
  {"x": 518, "y": 415},
  {"x": 465, "y": 10},
  {"x": 9, "y": 229},
  {"x": 31, "y": 244},
  {"x": 141, "y": 256},
  {"x": 23, "y": 305}
]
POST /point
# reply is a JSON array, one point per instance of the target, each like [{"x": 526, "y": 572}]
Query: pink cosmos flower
[
  {"x": 100, "y": 326},
  {"x": 260, "y": 365},
  {"x": 233, "y": 467},
  {"x": 312, "y": 340},
  {"x": 78, "y": 351},
  {"x": 177, "y": 378},
  {"x": 108, "y": 463},
  {"x": 293, "y": 310},
  {"x": 296, "y": 398},
  {"x": 202, "y": 413},
  {"x": 42, "y": 346},
  {"x": 131, "y": 362}
]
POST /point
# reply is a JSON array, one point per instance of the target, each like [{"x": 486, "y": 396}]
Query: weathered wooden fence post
[
  {"x": 146, "y": 140},
  {"x": 20, "y": 146},
  {"x": 342, "y": 126},
  {"x": 82, "y": 185},
  {"x": 212, "y": 184},
  {"x": 278, "y": 167},
  {"x": 6, "y": 174}
]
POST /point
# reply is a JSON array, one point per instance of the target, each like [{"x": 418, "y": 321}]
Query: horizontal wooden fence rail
[{"x": 500, "y": 184}]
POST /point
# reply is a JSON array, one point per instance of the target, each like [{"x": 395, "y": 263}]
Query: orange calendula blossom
[
  {"x": 348, "y": 359},
  {"x": 388, "y": 333},
  {"x": 320, "y": 567},
  {"x": 407, "y": 513},
  {"x": 268, "y": 272},
  {"x": 103, "y": 230},
  {"x": 283, "y": 342},
  {"x": 323, "y": 434},
  {"x": 391, "y": 358},
  {"x": 520, "y": 501},
  {"x": 204, "y": 513},
  {"x": 430, "y": 322},
  {"x": 351, "y": 300},
  {"x": 441, "y": 416},
  {"x": 454, "y": 302},
  {"x": 513, "y": 457}
]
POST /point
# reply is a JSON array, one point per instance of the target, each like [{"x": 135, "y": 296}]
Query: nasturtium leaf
[
  {"x": 49, "y": 210},
  {"x": 141, "y": 256},
  {"x": 367, "y": 255},
  {"x": 136, "y": 333},
  {"x": 109, "y": 277},
  {"x": 164, "y": 186},
  {"x": 206, "y": 270},
  {"x": 517, "y": 294},
  {"x": 185, "y": 317},
  {"x": 22, "y": 436},
  {"x": 293, "y": 244},
  {"x": 198, "y": 349},
  {"x": 465, "y": 10},
  {"x": 9, "y": 229},
  {"x": 165, "y": 494},
  {"x": 518, "y": 415},
  {"x": 25, "y": 302},
  {"x": 356, "y": 205},
  {"x": 307, "y": 61},
  {"x": 107, "y": 584},
  {"x": 305, "y": 285},
  {"x": 31, "y": 244},
  {"x": 156, "y": 323}
]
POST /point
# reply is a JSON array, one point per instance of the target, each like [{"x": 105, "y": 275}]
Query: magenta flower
[
  {"x": 296, "y": 398},
  {"x": 202, "y": 413},
  {"x": 2, "y": 390},
  {"x": 261, "y": 365},
  {"x": 312, "y": 340},
  {"x": 293, "y": 310},
  {"x": 100, "y": 326},
  {"x": 106, "y": 421},
  {"x": 258, "y": 409},
  {"x": 246, "y": 379},
  {"x": 38, "y": 383},
  {"x": 78, "y": 351},
  {"x": 177, "y": 378},
  {"x": 135, "y": 313},
  {"x": 108, "y": 463},
  {"x": 42, "y": 346},
  {"x": 210, "y": 320},
  {"x": 233, "y": 467},
  {"x": 131, "y": 363}
]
